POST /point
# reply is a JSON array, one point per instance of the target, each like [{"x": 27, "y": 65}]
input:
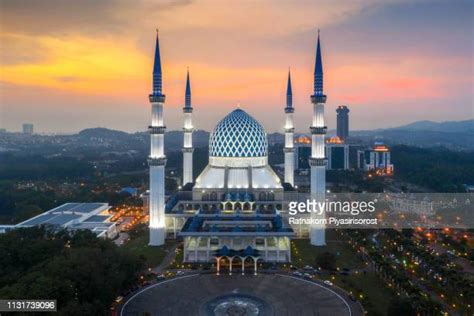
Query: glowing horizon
[{"x": 93, "y": 61}]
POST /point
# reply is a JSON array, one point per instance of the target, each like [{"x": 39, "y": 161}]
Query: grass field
[{"x": 303, "y": 253}]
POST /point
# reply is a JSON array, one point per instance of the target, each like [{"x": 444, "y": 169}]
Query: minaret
[
  {"x": 318, "y": 159},
  {"x": 157, "y": 158},
  {"x": 188, "y": 136},
  {"x": 289, "y": 130}
]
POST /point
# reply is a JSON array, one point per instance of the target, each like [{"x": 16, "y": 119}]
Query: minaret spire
[
  {"x": 289, "y": 149},
  {"x": 318, "y": 160},
  {"x": 187, "y": 102},
  {"x": 289, "y": 93},
  {"x": 318, "y": 70},
  {"x": 187, "y": 135},
  {"x": 157, "y": 74},
  {"x": 157, "y": 158}
]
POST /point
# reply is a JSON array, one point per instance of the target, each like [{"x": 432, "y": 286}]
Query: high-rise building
[
  {"x": 342, "y": 122},
  {"x": 318, "y": 159},
  {"x": 28, "y": 128},
  {"x": 157, "y": 158}
]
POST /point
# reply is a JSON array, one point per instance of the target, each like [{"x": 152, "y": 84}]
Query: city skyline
[{"x": 93, "y": 62}]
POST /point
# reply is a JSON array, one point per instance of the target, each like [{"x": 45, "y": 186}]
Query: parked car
[
  {"x": 179, "y": 273},
  {"x": 160, "y": 277},
  {"x": 327, "y": 282},
  {"x": 307, "y": 276},
  {"x": 298, "y": 274},
  {"x": 119, "y": 299}
]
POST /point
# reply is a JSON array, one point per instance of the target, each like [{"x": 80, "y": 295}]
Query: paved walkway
[{"x": 282, "y": 294}]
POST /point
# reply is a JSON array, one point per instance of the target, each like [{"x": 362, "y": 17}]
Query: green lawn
[
  {"x": 303, "y": 253},
  {"x": 138, "y": 244}
]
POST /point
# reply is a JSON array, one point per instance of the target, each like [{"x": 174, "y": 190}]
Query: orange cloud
[{"x": 81, "y": 64}]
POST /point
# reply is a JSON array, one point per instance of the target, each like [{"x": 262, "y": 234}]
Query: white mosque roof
[{"x": 238, "y": 155}]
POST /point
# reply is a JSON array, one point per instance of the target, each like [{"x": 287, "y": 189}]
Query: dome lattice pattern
[{"x": 238, "y": 135}]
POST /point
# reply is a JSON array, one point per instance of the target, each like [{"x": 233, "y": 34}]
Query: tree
[
  {"x": 399, "y": 307},
  {"x": 326, "y": 261}
]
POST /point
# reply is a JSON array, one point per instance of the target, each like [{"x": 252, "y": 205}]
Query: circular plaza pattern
[{"x": 265, "y": 294}]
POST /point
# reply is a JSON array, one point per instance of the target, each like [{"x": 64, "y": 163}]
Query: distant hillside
[
  {"x": 446, "y": 127},
  {"x": 100, "y": 132},
  {"x": 458, "y": 135}
]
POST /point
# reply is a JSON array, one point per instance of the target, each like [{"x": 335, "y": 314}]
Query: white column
[
  {"x": 318, "y": 171},
  {"x": 187, "y": 146},
  {"x": 289, "y": 148},
  {"x": 157, "y": 161}
]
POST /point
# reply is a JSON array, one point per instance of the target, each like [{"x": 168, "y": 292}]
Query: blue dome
[{"x": 238, "y": 135}]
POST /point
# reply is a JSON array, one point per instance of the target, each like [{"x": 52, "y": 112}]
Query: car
[
  {"x": 307, "y": 276},
  {"x": 327, "y": 282},
  {"x": 309, "y": 268},
  {"x": 119, "y": 299},
  {"x": 179, "y": 273},
  {"x": 161, "y": 277},
  {"x": 297, "y": 274}
]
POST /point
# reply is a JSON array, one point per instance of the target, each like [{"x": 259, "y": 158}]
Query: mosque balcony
[
  {"x": 316, "y": 162},
  {"x": 187, "y": 149},
  {"x": 160, "y": 161},
  {"x": 288, "y": 149},
  {"x": 290, "y": 130},
  {"x": 188, "y": 130},
  {"x": 289, "y": 110},
  {"x": 156, "y": 129},
  {"x": 187, "y": 109},
  {"x": 322, "y": 130},
  {"x": 157, "y": 98},
  {"x": 318, "y": 98}
]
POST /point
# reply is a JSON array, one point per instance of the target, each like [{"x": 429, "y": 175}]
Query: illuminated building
[
  {"x": 188, "y": 135},
  {"x": 94, "y": 217},
  {"x": 318, "y": 159},
  {"x": 377, "y": 160},
  {"x": 342, "y": 122},
  {"x": 289, "y": 149},
  {"x": 157, "y": 158},
  {"x": 338, "y": 154},
  {"x": 302, "y": 152},
  {"x": 234, "y": 202},
  {"x": 235, "y": 207}
]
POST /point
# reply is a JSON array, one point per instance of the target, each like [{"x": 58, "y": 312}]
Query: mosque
[{"x": 236, "y": 207}]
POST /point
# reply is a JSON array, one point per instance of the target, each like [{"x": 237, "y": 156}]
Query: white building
[
  {"x": 74, "y": 216},
  {"x": 235, "y": 208}
]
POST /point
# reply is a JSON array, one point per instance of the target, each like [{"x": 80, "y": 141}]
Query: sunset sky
[{"x": 70, "y": 65}]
